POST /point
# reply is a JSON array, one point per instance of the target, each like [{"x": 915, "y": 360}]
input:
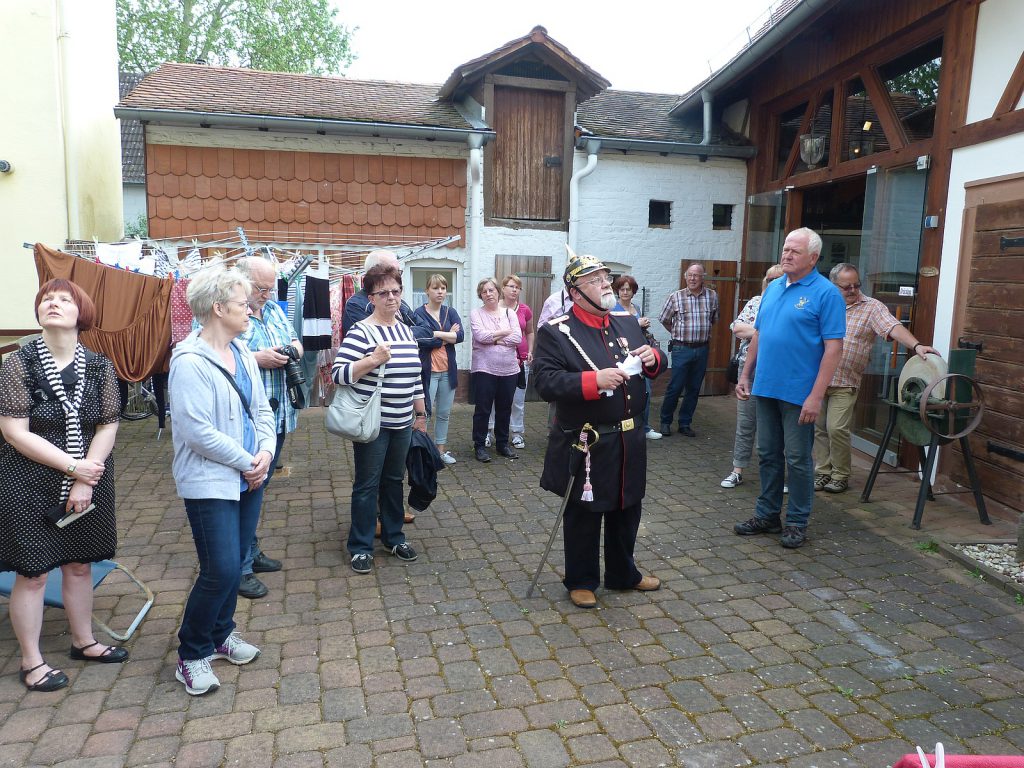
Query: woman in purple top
[{"x": 495, "y": 367}]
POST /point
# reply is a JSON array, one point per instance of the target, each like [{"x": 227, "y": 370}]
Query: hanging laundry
[
  {"x": 132, "y": 325},
  {"x": 316, "y": 314},
  {"x": 181, "y": 313},
  {"x": 126, "y": 256}
]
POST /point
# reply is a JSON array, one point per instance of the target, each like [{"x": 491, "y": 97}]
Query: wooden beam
[
  {"x": 835, "y": 150},
  {"x": 987, "y": 130},
  {"x": 891, "y": 125},
  {"x": 958, "y": 60},
  {"x": 1014, "y": 90},
  {"x": 852, "y": 168},
  {"x": 532, "y": 82}
]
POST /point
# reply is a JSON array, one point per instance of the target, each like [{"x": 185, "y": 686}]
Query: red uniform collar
[{"x": 594, "y": 321}]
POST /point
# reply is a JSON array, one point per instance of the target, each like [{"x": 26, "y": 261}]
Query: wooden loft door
[{"x": 527, "y": 166}]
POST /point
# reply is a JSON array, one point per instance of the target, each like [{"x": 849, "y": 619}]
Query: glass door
[
  {"x": 766, "y": 217},
  {"x": 890, "y": 249}
]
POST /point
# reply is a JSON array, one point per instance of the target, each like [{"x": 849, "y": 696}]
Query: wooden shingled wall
[{"x": 302, "y": 196}]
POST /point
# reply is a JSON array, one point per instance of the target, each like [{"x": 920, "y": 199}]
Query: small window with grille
[
  {"x": 721, "y": 216},
  {"x": 659, "y": 214}
]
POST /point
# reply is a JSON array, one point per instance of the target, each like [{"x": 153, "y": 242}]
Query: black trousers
[
  {"x": 497, "y": 391},
  {"x": 582, "y": 537}
]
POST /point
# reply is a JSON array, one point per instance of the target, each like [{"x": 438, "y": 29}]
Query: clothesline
[{"x": 241, "y": 243}]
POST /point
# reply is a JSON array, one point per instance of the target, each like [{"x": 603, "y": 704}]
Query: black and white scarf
[{"x": 71, "y": 405}]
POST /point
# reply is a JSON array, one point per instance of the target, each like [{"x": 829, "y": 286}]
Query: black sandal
[
  {"x": 113, "y": 655},
  {"x": 51, "y": 681}
]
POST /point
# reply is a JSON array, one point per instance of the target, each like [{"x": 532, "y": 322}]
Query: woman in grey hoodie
[{"x": 224, "y": 441}]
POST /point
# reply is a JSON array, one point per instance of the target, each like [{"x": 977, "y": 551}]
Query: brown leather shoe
[
  {"x": 648, "y": 584},
  {"x": 409, "y": 517},
  {"x": 582, "y": 598}
]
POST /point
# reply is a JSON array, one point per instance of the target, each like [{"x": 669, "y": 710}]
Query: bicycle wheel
[{"x": 140, "y": 403}]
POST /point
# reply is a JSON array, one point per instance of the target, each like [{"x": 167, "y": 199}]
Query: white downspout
[
  {"x": 475, "y": 229},
  {"x": 593, "y": 146},
  {"x": 70, "y": 160}
]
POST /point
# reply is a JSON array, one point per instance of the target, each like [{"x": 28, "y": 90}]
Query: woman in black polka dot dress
[{"x": 59, "y": 406}]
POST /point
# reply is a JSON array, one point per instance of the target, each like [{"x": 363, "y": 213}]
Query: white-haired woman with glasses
[
  {"x": 380, "y": 464},
  {"x": 224, "y": 441}
]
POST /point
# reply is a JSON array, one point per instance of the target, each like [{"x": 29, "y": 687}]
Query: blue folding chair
[{"x": 52, "y": 595}]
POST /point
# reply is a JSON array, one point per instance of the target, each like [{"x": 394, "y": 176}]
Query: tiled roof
[
  {"x": 299, "y": 196},
  {"x": 644, "y": 117},
  {"x": 133, "y": 162},
  {"x": 589, "y": 80},
  {"x": 227, "y": 90}
]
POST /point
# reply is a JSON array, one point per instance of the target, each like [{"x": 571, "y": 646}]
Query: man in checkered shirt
[
  {"x": 866, "y": 318},
  {"x": 688, "y": 315}
]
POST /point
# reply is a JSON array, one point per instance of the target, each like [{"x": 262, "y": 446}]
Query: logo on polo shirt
[{"x": 804, "y": 301}]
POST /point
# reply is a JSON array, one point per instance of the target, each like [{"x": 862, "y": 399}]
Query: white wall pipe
[
  {"x": 475, "y": 224},
  {"x": 593, "y": 146}
]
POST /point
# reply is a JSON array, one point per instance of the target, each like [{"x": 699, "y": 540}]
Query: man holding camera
[{"x": 268, "y": 336}]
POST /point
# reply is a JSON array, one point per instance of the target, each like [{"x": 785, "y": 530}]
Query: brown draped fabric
[{"x": 133, "y": 311}]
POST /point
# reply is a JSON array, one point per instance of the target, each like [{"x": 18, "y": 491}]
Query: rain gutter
[
  {"x": 676, "y": 147},
  {"x": 301, "y": 124}
]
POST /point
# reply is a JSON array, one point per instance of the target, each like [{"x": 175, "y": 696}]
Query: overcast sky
[{"x": 660, "y": 46}]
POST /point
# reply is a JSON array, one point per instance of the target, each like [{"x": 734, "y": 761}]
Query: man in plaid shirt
[
  {"x": 866, "y": 318},
  {"x": 688, "y": 315},
  {"x": 268, "y": 331}
]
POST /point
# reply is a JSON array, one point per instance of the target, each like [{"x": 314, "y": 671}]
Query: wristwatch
[
  {"x": 71, "y": 468},
  {"x": 420, "y": 415}
]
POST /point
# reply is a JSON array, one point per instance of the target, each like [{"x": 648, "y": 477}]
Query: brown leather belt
[{"x": 690, "y": 344}]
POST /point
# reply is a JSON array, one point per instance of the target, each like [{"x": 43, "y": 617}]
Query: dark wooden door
[
  {"x": 527, "y": 167},
  {"x": 993, "y": 315},
  {"x": 720, "y": 276}
]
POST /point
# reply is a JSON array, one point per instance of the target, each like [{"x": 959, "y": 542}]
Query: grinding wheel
[{"x": 929, "y": 370}]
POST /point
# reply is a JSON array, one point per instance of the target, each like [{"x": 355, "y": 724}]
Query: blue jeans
[
  {"x": 254, "y": 548},
  {"x": 785, "y": 446},
  {"x": 219, "y": 528},
  {"x": 441, "y": 397},
  {"x": 688, "y": 367},
  {"x": 378, "y": 485}
]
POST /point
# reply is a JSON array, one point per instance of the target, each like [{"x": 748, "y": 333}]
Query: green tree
[{"x": 279, "y": 35}]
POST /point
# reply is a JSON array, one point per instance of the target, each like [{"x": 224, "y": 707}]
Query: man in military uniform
[{"x": 578, "y": 366}]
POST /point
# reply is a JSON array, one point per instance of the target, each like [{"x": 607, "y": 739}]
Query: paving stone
[{"x": 542, "y": 749}]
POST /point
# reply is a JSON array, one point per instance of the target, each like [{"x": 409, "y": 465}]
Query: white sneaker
[
  {"x": 734, "y": 479},
  {"x": 518, "y": 441},
  {"x": 489, "y": 440},
  {"x": 653, "y": 434},
  {"x": 235, "y": 650},
  {"x": 447, "y": 457},
  {"x": 197, "y": 675}
]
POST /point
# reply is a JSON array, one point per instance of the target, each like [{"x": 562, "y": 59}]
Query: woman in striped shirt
[{"x": 380, "y": 464}]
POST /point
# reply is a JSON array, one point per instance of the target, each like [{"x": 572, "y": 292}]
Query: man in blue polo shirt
[{"x": 796, "y": 347}]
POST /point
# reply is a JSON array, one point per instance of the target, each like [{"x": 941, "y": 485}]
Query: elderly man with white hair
[{"x": 268, "y": 333}]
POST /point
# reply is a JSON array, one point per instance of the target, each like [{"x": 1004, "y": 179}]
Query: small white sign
[{"x": 906, "y": 290}]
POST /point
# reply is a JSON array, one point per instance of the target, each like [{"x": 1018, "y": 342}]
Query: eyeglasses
[
  {"x": 602, "y": 280},
  {"x": 850, "y": 287},
  {"x": 237, "y": 303},
  {"x": 387, "y": 294},
  {"x": 261, "y": 290}
]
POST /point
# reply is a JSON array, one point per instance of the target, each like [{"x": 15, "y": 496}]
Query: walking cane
[{"x": 581, "y": 448}]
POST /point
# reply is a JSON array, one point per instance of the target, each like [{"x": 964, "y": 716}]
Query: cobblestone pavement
[{"x": 846, "y": 652}]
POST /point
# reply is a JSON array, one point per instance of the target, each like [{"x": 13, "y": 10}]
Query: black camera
[{"x": 294, "y": 378}]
